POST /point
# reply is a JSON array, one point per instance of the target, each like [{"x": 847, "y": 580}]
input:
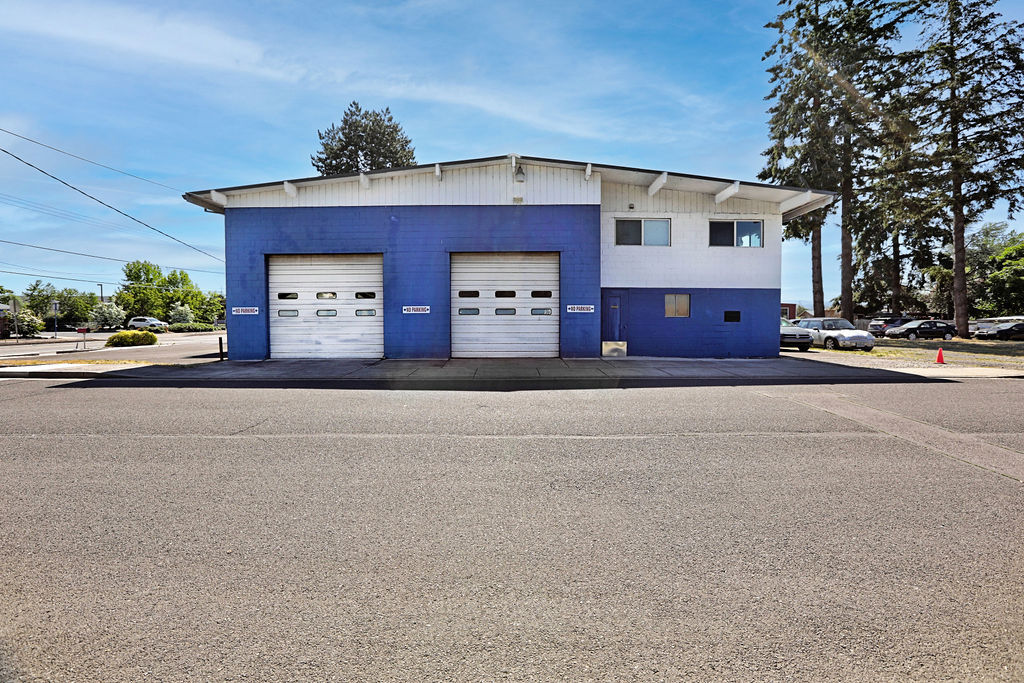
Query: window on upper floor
[
  {"x": 649, "y": 232},
  {"x": 735, "y": 233}
]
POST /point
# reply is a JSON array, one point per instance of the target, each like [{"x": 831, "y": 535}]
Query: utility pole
[{"x": 101, "y": 291}]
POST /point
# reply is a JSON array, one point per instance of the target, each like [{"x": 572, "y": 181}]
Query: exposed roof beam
[
  {"x": 218, "y": 198},
  {"x": 586, "y": 175},
  {"x": 437, "y": 172},
  {"x": 807, "y": 207},
  {"x": 658, "y": 183},
  {"x": 364, "y": 181},
  {"x": 290, "y": 189},
  {"x": 727, "y": 192},
  {"x": 796, "y": 201}
]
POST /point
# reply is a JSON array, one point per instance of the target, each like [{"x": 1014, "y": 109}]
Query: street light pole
[{"x": 101, "y": 291}]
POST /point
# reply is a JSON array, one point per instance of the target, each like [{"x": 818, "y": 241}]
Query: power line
[
  {"x": 106, "y": 258},
  {"x": 86, "y": 194},
  {"x": 56, "y": 212},
  {"x": 90, "y": 161},
  {"x": 123, "y": 285}
]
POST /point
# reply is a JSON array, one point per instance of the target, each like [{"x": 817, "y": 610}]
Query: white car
[
  {"x": 146, "y": 323},
  {"x": 838, "y": 333},
  {"x": 792, "y": 335}
]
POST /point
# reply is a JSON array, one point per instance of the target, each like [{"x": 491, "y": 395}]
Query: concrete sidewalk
[{"x": 485, "y": 374}]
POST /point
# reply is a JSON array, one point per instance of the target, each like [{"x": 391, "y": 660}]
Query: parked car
[
  {"x": 880, "y": 325},
  {"x": 838, "y": 333},
  {"x": 792, "y": 335},
  {"x": 924, "y": 329},
  {"x": 1002, "y": 332},
  {"x": 146, "y": 323}
]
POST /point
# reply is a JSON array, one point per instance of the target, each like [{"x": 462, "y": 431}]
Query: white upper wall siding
[
  {"x": 689, "y": 261},
  {"x": 474, "y": 185}
]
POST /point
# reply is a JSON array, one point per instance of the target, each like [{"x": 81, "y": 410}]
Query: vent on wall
[{"x": 732, "y": 316}]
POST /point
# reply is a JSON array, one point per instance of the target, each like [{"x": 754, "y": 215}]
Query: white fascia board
[
  {"x": 727, "y": 192},
  {"x": 819, "y": 202},
  {"x": 658, "y": 183},
  {"x": 796, "y": 201}
]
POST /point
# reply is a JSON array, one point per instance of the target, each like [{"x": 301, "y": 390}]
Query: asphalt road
[{"x": 856, "y": 532}]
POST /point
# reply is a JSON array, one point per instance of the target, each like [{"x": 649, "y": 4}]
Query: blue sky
[{"x": 199, "y": 95}]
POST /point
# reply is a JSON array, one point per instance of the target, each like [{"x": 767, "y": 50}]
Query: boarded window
[
  {"x": 721, "y": 234},
  {"x": 677, "y": 305}
]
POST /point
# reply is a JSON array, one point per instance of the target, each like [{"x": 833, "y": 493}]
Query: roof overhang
[{"x": 793, "y": 201}]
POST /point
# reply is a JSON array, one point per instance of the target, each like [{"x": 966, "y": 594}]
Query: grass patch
[
  {"x": 974, "y": 346},
  {"x": 12, "y": 362}
]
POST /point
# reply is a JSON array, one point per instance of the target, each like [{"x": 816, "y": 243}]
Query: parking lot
[{"x": 806, "y": 531}]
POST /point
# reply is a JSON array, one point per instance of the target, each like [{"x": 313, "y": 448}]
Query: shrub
[
  {"x": 28, "y": 324},
  {"x": 131, "y": 338},
  {"x": 180, "y": 313},
  {"x": 195, "y": 327},
  {"x": 106, "y": 315}
]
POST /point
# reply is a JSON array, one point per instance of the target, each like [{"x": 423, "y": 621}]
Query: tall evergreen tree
[
  {"x": 801, "y": 123},
  {"x": 970, "y": 100},
  {"x": 365, "y": 140}
]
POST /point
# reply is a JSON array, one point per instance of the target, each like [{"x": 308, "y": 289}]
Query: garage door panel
[
  {"x": 326, "y": 306},
  {"x": 476, "y": 281}
]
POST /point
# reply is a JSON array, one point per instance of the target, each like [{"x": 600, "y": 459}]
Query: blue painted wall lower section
[
  {"x": 705, "y": 334},
  {"x": 416, "y": 242}
]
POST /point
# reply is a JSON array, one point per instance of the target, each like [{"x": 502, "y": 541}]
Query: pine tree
[
  {"x": 364, "y": 141},
  {"x": 802, "y": 149},
  {"x": 970, "y": 100}
]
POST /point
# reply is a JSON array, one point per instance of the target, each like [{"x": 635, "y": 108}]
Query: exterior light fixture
[{"x": 520, "y": 175}]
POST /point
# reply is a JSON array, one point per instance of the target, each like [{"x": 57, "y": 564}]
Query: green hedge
[
  {"x": 195, "y": 327},
  {"x": 132, "y": 338}
]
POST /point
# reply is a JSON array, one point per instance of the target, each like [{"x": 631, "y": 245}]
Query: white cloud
[{"x": 145, "y": 33}]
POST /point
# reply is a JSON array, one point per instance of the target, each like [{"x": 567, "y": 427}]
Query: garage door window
[
  {"x": 326, "y": 313},
  {"x": 365, "y": 312},
  {"x": 326, "y": 295},
  {"x": 468, "y": 293},
  {"x": 469, "y": 311},
  {"x": 540, "y": 311},
  {"x": 288, "y": 313},
  {"x": 366, "y": 295},
  {"x": 504, "y": 311},
  {"x": 287, "y": 295},
  {"x": 541, "y": 294}
]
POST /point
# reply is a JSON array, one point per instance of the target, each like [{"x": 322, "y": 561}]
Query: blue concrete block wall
[
  {"x": 704, "y": 334},
  {"x": 416, "y": 242}
]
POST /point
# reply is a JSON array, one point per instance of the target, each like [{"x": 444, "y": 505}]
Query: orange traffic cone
[{"x": 938, "y": 358}]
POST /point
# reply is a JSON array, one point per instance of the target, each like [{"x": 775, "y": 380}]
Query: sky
[{"x": 194, "y": 95}]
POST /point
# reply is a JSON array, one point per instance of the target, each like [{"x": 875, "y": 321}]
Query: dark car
[
  {"x": 880, "y": 325},
  {"x": 1003, "y": 332},
  {"x": 922, "y": 329}
]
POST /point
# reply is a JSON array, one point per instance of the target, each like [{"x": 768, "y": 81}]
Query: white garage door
[
  {"x": 504, "y": 305},
  {"x": 326, "y": 306}
]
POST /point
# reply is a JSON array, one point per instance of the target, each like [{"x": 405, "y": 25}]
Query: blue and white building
[{"x": 509, "y": 256}]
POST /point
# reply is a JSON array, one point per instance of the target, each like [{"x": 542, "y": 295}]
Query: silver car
[
  {"x": 838, "y": 333},
  {"x": 791, "y": 335},
  {"x": 146, "y": 323}
]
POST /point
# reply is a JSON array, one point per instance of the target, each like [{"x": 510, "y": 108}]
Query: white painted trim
[
  {"x": 364, "y": 181},
  {"x": 437, "y": 172},
  {"x": 796, "y": 201},
  {"x": 290, "y": 189},
  {"x": 218, "y": 198},
  {"x": 727, "y": 192},
  {"x": 658, "y": 183},
  {"x": 586, "y": 174}
]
